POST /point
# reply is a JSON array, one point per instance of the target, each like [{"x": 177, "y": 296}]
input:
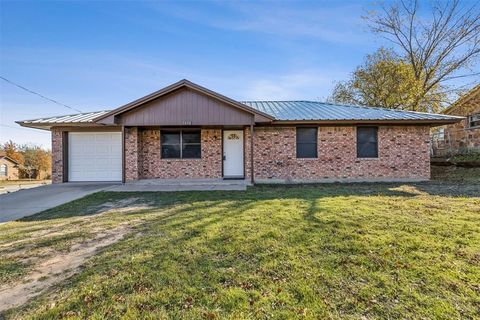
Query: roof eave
[
  {"x": 435, "y": 122},
  {"x": 10, "y": 159},
  {"x": 48, "y": 126}
]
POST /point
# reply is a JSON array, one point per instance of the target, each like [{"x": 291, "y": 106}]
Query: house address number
[{"x": 233, "y": 136}]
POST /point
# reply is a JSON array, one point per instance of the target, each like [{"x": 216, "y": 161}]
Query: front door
[{"x": 233, "y": 154}]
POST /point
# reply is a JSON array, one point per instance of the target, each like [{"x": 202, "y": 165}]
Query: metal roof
[
  {"x": 321, "y": 111},
  {"x": 71, "y": 118},
  {"x": 283, "y": 111}
]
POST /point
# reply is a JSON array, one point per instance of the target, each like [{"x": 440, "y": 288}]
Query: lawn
[{"x": 359, "y": 251}]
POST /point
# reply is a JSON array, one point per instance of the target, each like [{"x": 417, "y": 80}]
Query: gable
[
  {"x": 185, "y": 107},
  {"x": 194, "y": 104},
  {"x": 8, "y": 161},
  {"x": 466, "y": 105}
]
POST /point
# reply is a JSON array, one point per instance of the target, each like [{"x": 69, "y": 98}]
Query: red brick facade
[
  {"x": 143, "y": 161},
  {"x": 132, "y": 153},
  {"x": 57, "y": 156},
  {"x": 403, "y": 155}
]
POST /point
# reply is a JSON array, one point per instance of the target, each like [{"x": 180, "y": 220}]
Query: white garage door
[{"x": 95, "y": 156}]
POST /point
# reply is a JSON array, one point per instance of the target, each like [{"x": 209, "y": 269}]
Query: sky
[{"x": 99, "y": 55}]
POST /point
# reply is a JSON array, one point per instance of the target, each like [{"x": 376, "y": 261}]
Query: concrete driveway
[{"x": 26, "y": 202}]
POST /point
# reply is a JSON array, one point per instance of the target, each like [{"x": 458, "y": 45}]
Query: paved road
[
  {"x": 26, "y": 202},
  {"x": 15, "y": 187}
]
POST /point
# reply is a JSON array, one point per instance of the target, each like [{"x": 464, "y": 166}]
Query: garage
[{"x": 95, "y": 156}]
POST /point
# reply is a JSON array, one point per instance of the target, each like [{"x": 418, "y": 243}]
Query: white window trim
[
  {"x": 3, "y": 173},
  {"x": 470, "y": 120}
]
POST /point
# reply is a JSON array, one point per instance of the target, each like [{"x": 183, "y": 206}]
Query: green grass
[
  {"x": 471, "y": 156},
  {"x": 327, "y": 251}
]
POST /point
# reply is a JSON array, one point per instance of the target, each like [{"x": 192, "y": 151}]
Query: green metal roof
[
  {"x": 284, "y": 111},
  {"x": 321, "y": 111}
]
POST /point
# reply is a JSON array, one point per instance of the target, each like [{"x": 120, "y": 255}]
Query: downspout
[{"x": 251, "y": 154}]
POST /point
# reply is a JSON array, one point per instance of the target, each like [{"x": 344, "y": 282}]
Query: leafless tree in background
[{"x": 441, "y": 45}]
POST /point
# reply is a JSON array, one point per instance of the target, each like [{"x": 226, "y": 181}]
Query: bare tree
[
  {"x": 388, "y": 81},
  {"x": 440, "y": 46}
]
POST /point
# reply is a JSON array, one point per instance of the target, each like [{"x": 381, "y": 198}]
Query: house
[
  {"x": 8, "y": 168},
  {"x": 463, "y": 136},
  {"x": 185, "y": 131}
]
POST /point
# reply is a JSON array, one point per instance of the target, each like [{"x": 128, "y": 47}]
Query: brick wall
[
  {"x": 132, "y": 152},
  {"x": 459, "y": 137},
  {"x": 57, "y": 156},
  {"x": 147, "y": 163},
  {"x": 403, "y": 154},
  {"x": 247, "y": 152}
]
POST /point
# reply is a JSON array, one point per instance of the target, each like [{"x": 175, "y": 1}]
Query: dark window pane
[
  {"x": 170, "y": 138},
  {"x": 367, "y": 145},
  {"x": 170, "y": 151},
  {"x": 306, "y": 150},
  {"x": 191, "y": 137},
  {"x": 306, "y": 142},
  {"x": 181, "y": 144},
  {"x": 191, "y": 151},
  {"x": 307, "y": 135}
]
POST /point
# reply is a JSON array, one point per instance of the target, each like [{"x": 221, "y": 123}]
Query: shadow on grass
[
  {"x": 89, "y": 205},
  {"x": 188, "y": 253}
]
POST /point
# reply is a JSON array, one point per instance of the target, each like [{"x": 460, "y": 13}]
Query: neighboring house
[
  {"x": 185, "y": 131},
  {"x": 8, "y": 168},
  {"x": 463, "y": 136}
]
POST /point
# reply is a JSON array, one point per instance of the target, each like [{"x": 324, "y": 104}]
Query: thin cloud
[
  {"x": 338, "y": 24},
  {"x": 294, "y": 86}
]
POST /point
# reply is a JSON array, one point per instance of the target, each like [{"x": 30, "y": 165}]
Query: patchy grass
[
  {"x": 452, "y": 175},
  {"x": 325, "y": 251},
  {"x": 470, "y": 156}
]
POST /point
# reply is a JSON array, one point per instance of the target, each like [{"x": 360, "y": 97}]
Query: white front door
[
  {"x": 94, "y": 156},
  {"x": 233, "y": 153}
]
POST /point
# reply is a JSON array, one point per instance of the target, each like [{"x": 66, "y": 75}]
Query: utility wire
[
  {"x": 20, "y": 128},
  {"x": 40, "y": 95}
]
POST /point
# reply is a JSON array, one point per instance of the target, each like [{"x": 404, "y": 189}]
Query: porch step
[{"x": 170, "y": 185}]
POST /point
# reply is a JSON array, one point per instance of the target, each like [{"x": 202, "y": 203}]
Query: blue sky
[{"x": 101, "y": 55}]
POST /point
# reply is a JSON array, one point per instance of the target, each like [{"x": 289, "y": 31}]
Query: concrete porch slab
[{"x": 171, "y": 185}]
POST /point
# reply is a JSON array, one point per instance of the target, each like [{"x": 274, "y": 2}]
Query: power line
[
  {"x": 19, "y": 128},
  {"x": 40, "y": 95}
]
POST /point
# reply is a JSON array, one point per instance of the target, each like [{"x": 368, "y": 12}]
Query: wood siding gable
[{"x": 185, "y": 107}]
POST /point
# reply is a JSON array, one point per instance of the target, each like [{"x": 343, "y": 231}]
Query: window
[
  {"x": 3, "y": 170},
  {"x": 440, "y": 134},
  {"x": 181, "y": 144},
  {"x": 306, "y": 142},
  {"x": 474, "y": 120},
  {"x": 367, "y": 144}
]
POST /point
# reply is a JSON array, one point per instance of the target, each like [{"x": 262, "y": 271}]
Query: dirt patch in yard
[
  {"x": 126, "y": 205},
  {"x": 57, "y": 268}
]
